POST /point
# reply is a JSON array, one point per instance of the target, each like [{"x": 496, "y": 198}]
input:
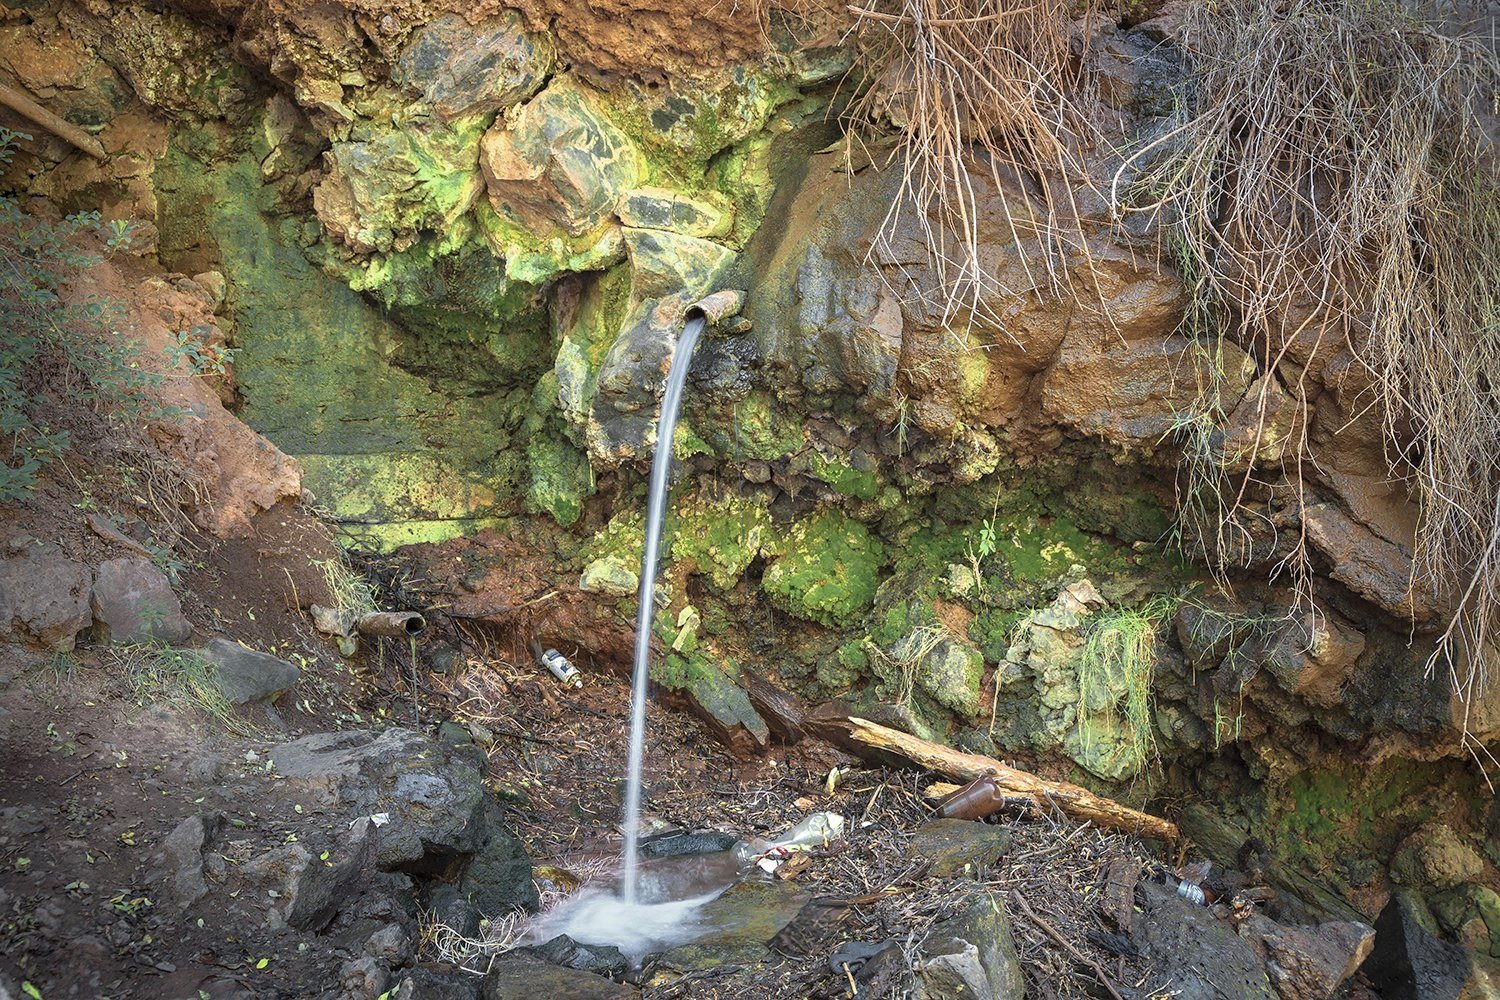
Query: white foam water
[
  {"x": 671, "y": 894},
  {"x": 599, "y": 917}
]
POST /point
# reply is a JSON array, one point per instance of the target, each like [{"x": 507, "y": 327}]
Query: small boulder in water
[
  {"x": 602, "y": 960},
  {"x": 685, "y": 842}
]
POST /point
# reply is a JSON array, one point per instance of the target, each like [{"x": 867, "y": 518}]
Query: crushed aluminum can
[{"x": 562, "y": 668}]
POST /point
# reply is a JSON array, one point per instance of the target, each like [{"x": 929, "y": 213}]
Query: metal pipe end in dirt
[{"x": 717, "y": 307}]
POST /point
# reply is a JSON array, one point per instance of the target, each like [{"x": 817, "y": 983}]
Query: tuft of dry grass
[
  {"x": 971, "y": 87},
  {"x": 1330, "y": 184}
]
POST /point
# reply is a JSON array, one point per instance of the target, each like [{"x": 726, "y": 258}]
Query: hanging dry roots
[
  {"x": 1331, "y": 183},
  {"x": 973, "y": 86}
]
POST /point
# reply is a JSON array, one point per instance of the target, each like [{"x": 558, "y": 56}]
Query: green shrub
[{"x": 43, "y": 339}]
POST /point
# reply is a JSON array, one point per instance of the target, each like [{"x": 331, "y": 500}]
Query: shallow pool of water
[{"x": 666, "y": 913}]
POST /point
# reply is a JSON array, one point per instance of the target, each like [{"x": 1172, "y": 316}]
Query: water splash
[{"x": 656, "y": 509}]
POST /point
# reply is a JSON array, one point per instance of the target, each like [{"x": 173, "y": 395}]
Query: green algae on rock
[{"x": 827, "y": 570}]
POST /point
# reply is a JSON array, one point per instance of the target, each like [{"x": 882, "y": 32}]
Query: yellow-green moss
[
  {"x": 828, "y": 571},
  {"x": 722, "y": 536}
]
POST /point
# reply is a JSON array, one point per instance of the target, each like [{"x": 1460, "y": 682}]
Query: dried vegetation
[
  {"x": 1331, "y": 184},
  {"x": 974, "y": 87}
]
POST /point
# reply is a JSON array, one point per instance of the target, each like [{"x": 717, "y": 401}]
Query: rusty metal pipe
[
  {"x": 400, "y": 624},
  {"x": 717, "y": 307}
]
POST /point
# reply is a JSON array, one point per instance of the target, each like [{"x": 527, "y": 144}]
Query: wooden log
[
  {"x": 783, "y": 711},
  {"x": 19, "y": 102},
  {"x": 864, "y": 737}
]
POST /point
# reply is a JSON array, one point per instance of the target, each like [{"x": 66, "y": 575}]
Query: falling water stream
[
  {"x": 658, "y": 905},
  {"x": 656, "y": 511}
]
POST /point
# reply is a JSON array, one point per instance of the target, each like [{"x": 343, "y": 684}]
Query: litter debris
[
  {"x": 816, "y": 830},
  {"x": 562, "y": 668},
  {"x": 976, "y": 800}
]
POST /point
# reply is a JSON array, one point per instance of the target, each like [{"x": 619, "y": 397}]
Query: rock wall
[{"x": 458, "y": 244}]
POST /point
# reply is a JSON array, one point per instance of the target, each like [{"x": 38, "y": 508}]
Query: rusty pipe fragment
[
  {"x": 400, "y": 624},
  {"x": 717, "y": 307}
]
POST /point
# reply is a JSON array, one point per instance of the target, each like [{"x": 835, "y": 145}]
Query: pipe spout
[
  {"x": 398, "y": 624},
  {"x": 717, "y": 307}
]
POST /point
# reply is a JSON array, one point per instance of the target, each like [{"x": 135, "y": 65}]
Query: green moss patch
[{"x": 828, "y": 571}]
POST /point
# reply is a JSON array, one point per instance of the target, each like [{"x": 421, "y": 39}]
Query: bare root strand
[{"x": 973, "y": 86}]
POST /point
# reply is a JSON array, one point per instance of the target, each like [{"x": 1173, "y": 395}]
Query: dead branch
[
  {"x": 20, "y": 103},
  {"x": 869, "y": 738}
]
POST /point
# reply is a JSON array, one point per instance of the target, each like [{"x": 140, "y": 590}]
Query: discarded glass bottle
[
  {"x": 976, "y": 800},
  {"x": 567, "y": 675}
]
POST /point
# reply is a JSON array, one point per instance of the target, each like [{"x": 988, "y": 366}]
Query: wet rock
[
  {"x": 956, "y": 844},
  {"x": 1410, "y": 962},
  {"x": 430, "y": 984},
  {"x": 1312, "y": 963},
  {"x": 245, "y": 676},
  {"x": 1435, "y": 856},
  {"x": 601, "y": 960},
  {"x": 522, "y": 978},
  {"x": 972, "y": 956},
  {"x": 668, "y": 273},
  {"x": 462, "y": 68},
  {"x": 721, "y": 703},
  {"x": 44, "y": 598},
  {"x": 133, "y": 601},
  {"x": 687, "y": 842},
  {"x": 663, "y": 208},
  {"x": 450, "y": 907},
  {"x": 1198, "y": 955},
  {"x": 439, "y": 815},
  {"x": 497, "y": 878},
  {"x": 738, "y": 924}
]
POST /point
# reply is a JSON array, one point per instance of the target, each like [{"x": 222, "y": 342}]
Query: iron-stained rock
[{"x": 560, "y": 167}]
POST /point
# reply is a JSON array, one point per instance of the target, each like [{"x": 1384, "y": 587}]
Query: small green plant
[
  {"x": 191, "y": 352},
  {"x": 1116, "y": 672},
  {"x": 71, "y": 350}
]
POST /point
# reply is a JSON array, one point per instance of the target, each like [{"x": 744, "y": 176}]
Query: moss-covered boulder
[{"x": 828, "y": 570}]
